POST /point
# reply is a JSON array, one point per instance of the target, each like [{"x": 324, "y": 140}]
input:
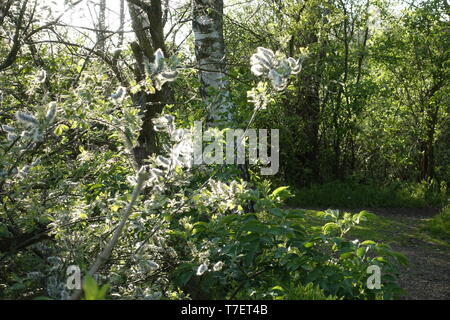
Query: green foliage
[
  {"x": 273, "y": 246},
  {"x": 92, "y": 291},
  {"x": 440, "y": 224},
  {"x": 355, "y": 195},
  {"x": 308, "y": 292},
  {"x": 366, "y": 100}
]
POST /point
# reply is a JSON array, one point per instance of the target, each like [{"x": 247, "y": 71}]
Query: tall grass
[
  {"x": 440, "y": 224},
  {"x": 354, "y": 195}
]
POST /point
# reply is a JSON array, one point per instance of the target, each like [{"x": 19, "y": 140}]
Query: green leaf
[
  {"x": 347, "y": 255},
  {"x": 279, "y": 190},
  {"x": 308, "y": 244},
  {"x": 360, "y": 252},
  {"x": 381, "y": 259},
  {"x": 368, "y": 243},
  {"x": 329, "y": 227},
  {"x": 277, "y": 212},
  {"x": 101, "y": 294},
  {"x": 255, "y": 226},
  {"x": 90, "y": 288},
  {"x": 279, "y": 288},
  {"x": 59, "y": 130}
]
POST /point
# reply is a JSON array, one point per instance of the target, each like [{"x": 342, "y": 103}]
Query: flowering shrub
[{"x": 173, "y": 230}]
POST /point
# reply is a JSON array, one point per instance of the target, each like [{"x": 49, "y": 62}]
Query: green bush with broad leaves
[{"x": 272, "y": 247}]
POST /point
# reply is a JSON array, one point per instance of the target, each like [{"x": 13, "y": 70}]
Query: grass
[
  {"x": 393, "y": 230},
  {"x": 339, "y": 194},
  {"x": 439, "y": 226}
]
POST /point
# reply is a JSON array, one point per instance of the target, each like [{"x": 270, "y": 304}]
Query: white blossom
[
  {"x": 119, "y": 95},
  {"x": 26, "y": 118},
  {"x": 158, "y": 64},
  {"x": 202, "y": 269},
  {"x": 162, "y": 161},
  {"x": 51, "y": 113},
  {"x": 152, "y": 265},
  {"x": 8, "y": 128},
  {"x": 42, "y": 76},
  {"x": 218, "y": 266}
]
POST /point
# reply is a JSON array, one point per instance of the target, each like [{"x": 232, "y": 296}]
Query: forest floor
[{"x": 427, "y": 275}]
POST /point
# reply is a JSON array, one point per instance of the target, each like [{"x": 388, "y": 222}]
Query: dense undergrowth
[{"x": 347, "y": 194}]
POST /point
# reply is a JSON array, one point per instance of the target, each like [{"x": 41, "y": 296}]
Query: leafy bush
[
  {"x": 299, "y": 292},
  {"x": 271, "y": 247}
]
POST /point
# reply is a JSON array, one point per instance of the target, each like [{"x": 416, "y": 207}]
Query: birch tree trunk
[{"x": 207, "y": 25}]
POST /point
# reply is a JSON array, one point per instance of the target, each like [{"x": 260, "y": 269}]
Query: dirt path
[{"x": 428, "y": 273}]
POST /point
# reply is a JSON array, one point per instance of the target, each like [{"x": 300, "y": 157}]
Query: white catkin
[
  {"x": 42, "y": 76},
  {"x": 178, "y": 135},
  {"x": 169, "y": 75},
  {"x": 163, "y": 77},
  {"x": 119, "y": 94},
  {"x": 158, "y": 64},
  {"x": 152, "y": 265},
  {"x": 218, "y": 266},
  {"x": 202, "y": 269},
  {"x": 169, "y": 118},
  {"x": 160, "y": 127},
  {"x": 35, "y": 135},
  {"x": 51, "y": 113},
  {"x": 266, "y": 52},
  {"x": 8, "y": 128},
  {"x": 278, "y": 70},
  {"x": 295, "y": 65},
  {"x": 162, "y": 161},
  {"x": 278, "y": 82},
  {"x": 258, "y": 70},
  {"x": 26, "y": 118},
  {"x": 163, "y": 123},
  {"x": 156, "y": 173},
  {"x": 261, "y": 60}
]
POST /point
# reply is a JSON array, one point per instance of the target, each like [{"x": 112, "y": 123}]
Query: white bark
[{"x": 210, "y": 53}]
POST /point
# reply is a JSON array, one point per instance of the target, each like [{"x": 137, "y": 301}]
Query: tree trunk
[
  {"x": 101, "y": 26},
  {"x": 302, "y": 165},
  {"x": 148, "y": 27},
  {"x": 309, "y": 111},
  {"x": 427, "y": 146},
  {"x": 121, "y": 23},
  {"x": 210, "y": 53}
]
